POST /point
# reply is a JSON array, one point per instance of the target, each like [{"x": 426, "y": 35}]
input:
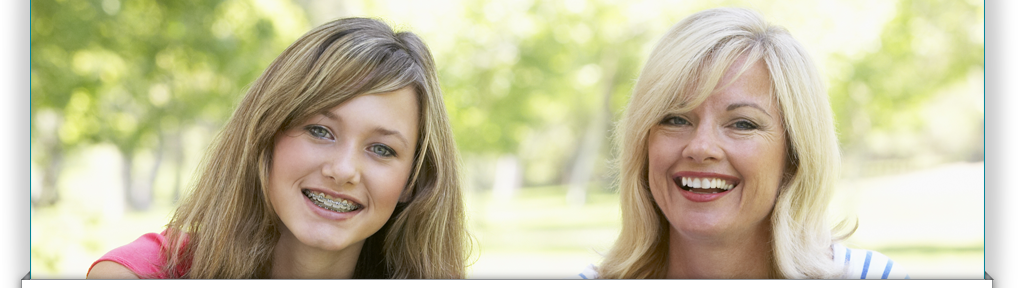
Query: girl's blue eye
[
  {"x": 745, "y": 125},
  {"x": 675, "y": 121},
  {"x": 382, "y": 150},
  {"x": 319, "y": 132}
]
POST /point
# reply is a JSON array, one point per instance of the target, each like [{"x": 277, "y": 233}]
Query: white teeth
[{"x": 706, "y": 183}]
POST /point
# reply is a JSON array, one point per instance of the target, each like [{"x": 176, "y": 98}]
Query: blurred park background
[{"x": 126, "y": 95}]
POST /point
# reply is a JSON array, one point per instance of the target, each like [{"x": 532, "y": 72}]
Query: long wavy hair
[
  {"x": 682, "y": 71},
  {"x": 226, "y": 227}
]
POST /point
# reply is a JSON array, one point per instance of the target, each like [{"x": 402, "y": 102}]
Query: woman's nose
[
  {"x": 704, "y": 146},
  {"x": 343, "y": 166}
]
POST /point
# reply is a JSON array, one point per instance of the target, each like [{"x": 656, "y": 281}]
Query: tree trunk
[
  {"x": 177, "y": 147},
  {"x": 593, "y": 137},
  {"x": 139, "y": 194},
  {"x": 48, "y": 194},
  {"x": 128, "y": 163}
]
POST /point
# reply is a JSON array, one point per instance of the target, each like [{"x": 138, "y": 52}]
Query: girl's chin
[
  {"x": 318, "y": 238},
  {"x": 335, "y": 244}
]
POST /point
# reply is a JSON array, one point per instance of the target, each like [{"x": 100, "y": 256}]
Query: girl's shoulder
[
  {"x": 144, "y": 256},
  {"x": 867, "y": 264}
]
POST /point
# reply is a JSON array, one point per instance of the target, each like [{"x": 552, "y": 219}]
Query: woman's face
[
  {"x": 336, "y": 178},
  {"x": 715, "y": 170}
]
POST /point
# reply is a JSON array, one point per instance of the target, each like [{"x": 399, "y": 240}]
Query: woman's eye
[
  {"x": 675, "y": 121},
  {"x": 382, "y": 150},
  {"x": 319, "y": 132},
  {"x": 744, "y": 125}
]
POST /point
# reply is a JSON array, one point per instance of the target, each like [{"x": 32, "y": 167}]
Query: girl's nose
[{"x": 343, "y": 166}]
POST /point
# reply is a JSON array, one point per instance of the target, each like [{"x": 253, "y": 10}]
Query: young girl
[{"x": 338, "y": 163}]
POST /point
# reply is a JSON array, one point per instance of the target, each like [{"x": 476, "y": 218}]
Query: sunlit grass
[
  {"x": 66, "y": 238},
  {"x": 536, "y": 233}
]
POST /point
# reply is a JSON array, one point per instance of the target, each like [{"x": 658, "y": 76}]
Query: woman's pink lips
[
  {"x": 701, "y": 197},
  {"x": 697, "y": 197}
]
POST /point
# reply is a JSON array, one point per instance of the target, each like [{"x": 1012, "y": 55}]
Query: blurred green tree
[
  {"x": 927, "y": 47},
  {"x": 541, "y": 80},
  {"x": 135, "y": 74}
]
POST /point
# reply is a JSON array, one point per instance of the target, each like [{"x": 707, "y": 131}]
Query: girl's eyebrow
[
  {"x": 379, "y": 130},
  {"x": 333, "y": 117},
  {"x": 739, "y": 105},
  {"x": 387, "y": 132}
]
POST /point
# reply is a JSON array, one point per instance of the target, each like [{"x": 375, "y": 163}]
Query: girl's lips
[
  {"x": 333, "y": 195},
  {"x": 329, "y": 214},
  {"x": 330, "y": 203}
]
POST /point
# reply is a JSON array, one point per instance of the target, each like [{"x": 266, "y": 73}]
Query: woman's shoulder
[
  {"x": 143, "y": 257},
  {"x": 867, "y": 264},
  {"x": 588, "y": 273}
]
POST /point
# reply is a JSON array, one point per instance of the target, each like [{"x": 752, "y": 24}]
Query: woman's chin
[
  {"x": 716, "y": 227},
  {"x": 698, "y": 231},
  {"x": 700, "y": 225}
]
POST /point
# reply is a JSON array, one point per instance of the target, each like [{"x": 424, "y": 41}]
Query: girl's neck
[
  {"x": 294, "y": 260},
  {"x": 745, "y": 256}
]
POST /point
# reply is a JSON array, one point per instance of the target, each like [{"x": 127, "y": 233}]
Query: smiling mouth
[
  {"x": 332, "y": 204},
  {"x": 704, "y": 185}
]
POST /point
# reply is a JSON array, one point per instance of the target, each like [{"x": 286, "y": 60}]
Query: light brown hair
[{"x": 226, "y": 227}]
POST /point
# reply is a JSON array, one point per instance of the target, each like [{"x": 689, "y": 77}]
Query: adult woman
[
  {"x": 338, "y": 163},
  {"x": 728, "y": 160}
]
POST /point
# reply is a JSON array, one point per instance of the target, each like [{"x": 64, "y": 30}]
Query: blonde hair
[
  {"x": 226, "y": 227},
  {"x": 682, "y": 71}
]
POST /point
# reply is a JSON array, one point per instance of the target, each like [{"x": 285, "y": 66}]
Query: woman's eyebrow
[{"x": 738, "y": 105}]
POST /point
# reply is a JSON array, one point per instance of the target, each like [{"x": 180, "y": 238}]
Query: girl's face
[{"x": 336, "y": 178}]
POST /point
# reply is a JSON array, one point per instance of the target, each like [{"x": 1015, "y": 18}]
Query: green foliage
[
  {"x": 120, "y": 72},
  {"x": 526, "y": 78},
  {"x": 520, "y": 77},
  {"x": 925, "y": 48}
]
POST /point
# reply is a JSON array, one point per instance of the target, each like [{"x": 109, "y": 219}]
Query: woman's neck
[
  {"x": 294, "y": 260},
  {"x": 744, "y": 256}
]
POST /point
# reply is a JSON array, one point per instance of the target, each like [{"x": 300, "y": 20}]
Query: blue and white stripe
[
  {"x": 588, "y": 273},
  {"x": 859, "y": 264},
  {"x": 866, "y": 264}
]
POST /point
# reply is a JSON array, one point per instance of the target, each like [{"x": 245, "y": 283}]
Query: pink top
[{"x": 144, "y": 256}]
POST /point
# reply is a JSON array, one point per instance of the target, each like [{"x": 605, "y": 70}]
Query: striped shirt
[
  {"x": 866, "y": 264},
  {"x": 859, "y": 264}
]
